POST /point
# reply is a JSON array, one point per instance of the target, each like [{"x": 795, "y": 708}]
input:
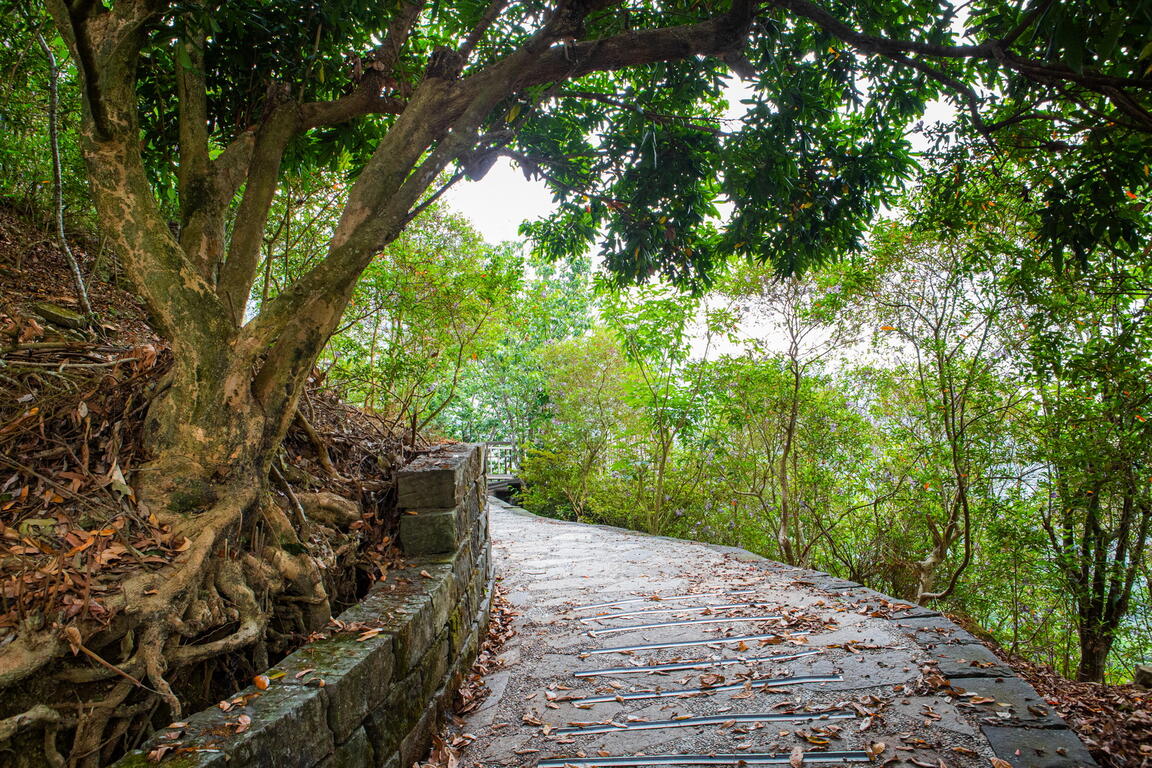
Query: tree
[
  {"x": 1088, "y": 355},
  {"x": 937, "y": 309},
  {"x": 502, "y": 393},
  {"x": 184, "y": 186},
  {"x": 773, "y": 437},
  {"x": 652, "y": 325},
  {"x": 430, "y": 302},
  {"x": 1080, "y": 352},
  {"x": 800, "y": 315},
  {"x": 588, "y": 420}
]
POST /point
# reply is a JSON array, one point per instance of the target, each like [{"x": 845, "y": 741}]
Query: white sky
[{"x": 500, "y": 201}]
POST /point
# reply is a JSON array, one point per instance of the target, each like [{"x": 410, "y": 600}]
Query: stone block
[
  {"x": 434, "y": 667},
  {"x": 357, "y": 676},
  {"x": 413, "y": 637},
  {"x": 387, "y": 725},
  {"x": 464, "y": 650},
  {"x": 834, "y": 583},
  {"x": 900, "y": 609},
  {"x": 439, "y": 478},
  {"x": 289, "y": 729},
  {"x": 60, "y": 316},
  {"x": 443, "y": 594},
  {"x": 415, "y": 744},
  {"x": 1038, "y": 747},
  {"x": 429, "y": 531},
  {"x": 462, "y": 570},
  {"x": 356, "y": 752},
  {"x": 1017, "y": 703},
  {"x": 821, "y": 580},
  {"x": 932, "y": 631},
  {"x": 957, "y": 660}
]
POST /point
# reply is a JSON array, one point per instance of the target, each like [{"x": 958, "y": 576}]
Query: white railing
[{"x": 503, "y": 458}]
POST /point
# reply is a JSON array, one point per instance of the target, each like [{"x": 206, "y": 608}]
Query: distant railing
[{"x": 503, "y": 458}]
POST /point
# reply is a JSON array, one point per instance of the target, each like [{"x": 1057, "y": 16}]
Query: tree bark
[{"x": 1095, "y": 645}]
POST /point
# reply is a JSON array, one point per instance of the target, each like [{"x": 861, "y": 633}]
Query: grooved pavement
[{"x": 848, "y": 674}]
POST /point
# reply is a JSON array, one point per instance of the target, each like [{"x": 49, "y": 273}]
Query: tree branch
[
  {"x": 239, "y": 270},
  {"x": 713, "y": 37},
  {"x": 491, "y": 13},
  {"x": 365, "y": 100},
  {"x": 201, "y": 215},
  {"x": 991, "y": 50}
]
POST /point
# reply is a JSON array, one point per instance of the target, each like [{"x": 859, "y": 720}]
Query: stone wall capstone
[{"x": 371, "y": 697}]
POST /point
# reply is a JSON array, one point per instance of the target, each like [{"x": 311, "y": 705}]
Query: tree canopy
[{"x": 619, "y": 107}]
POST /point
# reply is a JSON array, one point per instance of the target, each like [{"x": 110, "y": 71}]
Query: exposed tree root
[
  {"x": 196, "y": 602},
  {"x": 318, "y": 444},
  {"x": 39, "y": 715},
  {"x": 164, "y": 612},
  {"x": 29, "y": 652}
]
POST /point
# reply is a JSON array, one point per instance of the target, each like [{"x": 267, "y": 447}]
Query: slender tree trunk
[
  {"x": 57, "y": 177},
  {"x": 1095, "y": 645},
  {"x": 787, "y": 551},
  {"x": 370, "y": 399}
]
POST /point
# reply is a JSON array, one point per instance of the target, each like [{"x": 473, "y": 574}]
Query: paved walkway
[{"x": 784, "y": 666}]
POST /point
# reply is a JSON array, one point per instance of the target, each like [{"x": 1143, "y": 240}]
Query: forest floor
[
  {"x": 75, "y": 395},
  {"x": 875, "y": 690},
  {"x": 1114, "y": 721}
]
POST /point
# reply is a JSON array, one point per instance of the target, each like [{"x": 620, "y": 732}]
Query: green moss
[
  {"x": 140, "y": 759},
  {"x": 191, "y": 499}
]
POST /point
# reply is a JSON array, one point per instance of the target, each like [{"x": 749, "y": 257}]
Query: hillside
[{"x": 73, "y": 533}]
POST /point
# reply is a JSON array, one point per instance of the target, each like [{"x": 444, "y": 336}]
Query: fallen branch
[{"x": 318, "y": 444}]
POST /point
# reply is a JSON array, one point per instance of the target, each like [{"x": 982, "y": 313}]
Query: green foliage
[
  {"x": 429, "y": 303},
  {"x": 501, "y": 394},
  {"x": 433, "y": 301},
  {"x": 25, "y": 155},
  {"x": 943, "y": 420}
]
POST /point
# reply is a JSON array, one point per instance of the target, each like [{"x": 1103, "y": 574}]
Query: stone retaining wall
[{"x": 370, "y": 696}]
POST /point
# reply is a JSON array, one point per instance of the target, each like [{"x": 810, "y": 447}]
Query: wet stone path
[{"x": 642, "y": 651}]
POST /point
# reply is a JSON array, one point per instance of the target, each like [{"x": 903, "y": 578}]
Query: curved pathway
[{"x": 635, "y": 650}]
